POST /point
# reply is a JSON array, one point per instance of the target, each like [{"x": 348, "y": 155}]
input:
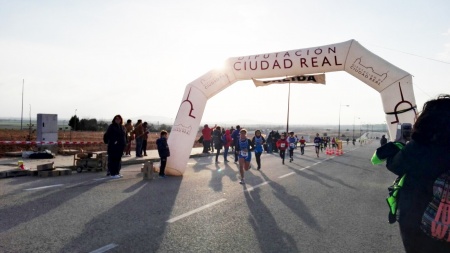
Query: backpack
[{"x": 436, "y": 218}]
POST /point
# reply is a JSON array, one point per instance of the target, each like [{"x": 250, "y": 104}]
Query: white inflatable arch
[{"x": 393, "y": 84}]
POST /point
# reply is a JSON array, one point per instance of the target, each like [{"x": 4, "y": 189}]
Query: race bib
[
  {"x": 244, "y": 153},
  {"x": 302, "y": 145},
  {"x": 317, "y": 144},
  {"x": 283, "y": 145},
  {"x": 292, "y": 145}
]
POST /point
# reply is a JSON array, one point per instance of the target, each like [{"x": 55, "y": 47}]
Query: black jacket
[
  {"x": 115, "y": 137},
  {"x": 422, "y": 164},
  {"x": 163, "y": 147},
  {"x": 217, "y": 139}
]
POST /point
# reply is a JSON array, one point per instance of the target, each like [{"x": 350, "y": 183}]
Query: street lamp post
[
  {"x": 354, "y": 126},
  {"x": 339, "y": 128},
  {"x": 75, "y": 120}
]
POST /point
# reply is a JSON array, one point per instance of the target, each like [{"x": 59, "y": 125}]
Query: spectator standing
[
  {"x": 217, "y": 139},
  {"x": 211, "y": 146},
  {"x": 383, "y": 140},
  {"x": 145, "y": 138},
  {"x": 206, "y": 132},
  {"x": 130, "y": 136},
  {"x": 139, "y": 137},
  {"x": 115, "y": 137},
  {"x": 231, "y": 132},
  {"x": 235, "y": 136},
  {"x": 270, "y": 142},
  {"x": 227, "y": 142},
  {"x": 276, "y": 137},
  {"x": 163, "y": 152}
]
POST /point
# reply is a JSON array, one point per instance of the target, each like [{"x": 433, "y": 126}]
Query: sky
[{"x": 98, "y": 58}]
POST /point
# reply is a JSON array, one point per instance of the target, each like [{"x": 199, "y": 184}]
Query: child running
[
  {"x": 302, "y": 145},
  {"x": 282, "y": 145},
  {"x": 317, "y": 141},
  {"x": 258, "y": 142},
  {"x": 244, "y": 147},
  {"x": 292, "y": 143}
]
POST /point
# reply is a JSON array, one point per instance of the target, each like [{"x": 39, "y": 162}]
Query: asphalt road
[{"x": 326, "y": 204}]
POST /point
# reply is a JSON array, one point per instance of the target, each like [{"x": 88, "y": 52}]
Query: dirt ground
[{"x": 21, "y": 135}]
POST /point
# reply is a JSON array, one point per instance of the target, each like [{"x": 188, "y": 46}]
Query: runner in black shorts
[{"x": 317, "y": 141}]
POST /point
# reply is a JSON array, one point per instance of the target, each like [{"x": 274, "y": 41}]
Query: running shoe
[{"x": 115, "y": 177}]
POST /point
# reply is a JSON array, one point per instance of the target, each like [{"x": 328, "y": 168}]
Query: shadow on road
[
  {"x": 139, "y": 218},
  {"x": 294, "y": 203},
  {"x": 271, "y": 238}
]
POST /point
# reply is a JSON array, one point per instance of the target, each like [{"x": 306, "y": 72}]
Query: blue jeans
[
  {"x": 225, "y": 153},
  {"x": 139, "y": 141}
]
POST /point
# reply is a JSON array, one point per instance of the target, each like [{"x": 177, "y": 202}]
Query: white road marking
[
  {"x": 98, "y": 179},
  {"x": 195, "y": 211},
  {"x": 44, "y": 187},
  {"x": 286, "y": 175},
  {"x": 105, "y": 248},
  {"x": 256, "y": 186}
]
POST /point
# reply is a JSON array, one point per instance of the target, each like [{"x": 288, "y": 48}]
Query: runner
[
  {"x": 292, "y": 143},
  {"x": 302, "y": 145},
  {"x": 258, "y": 142},
  {"x": 282, "y": 144},
  {"x": 317, "y": 141},
  {"x": 244, "y": 147}
]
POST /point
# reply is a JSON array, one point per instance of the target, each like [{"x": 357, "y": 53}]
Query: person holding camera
[{"x": 424, "y": 159}]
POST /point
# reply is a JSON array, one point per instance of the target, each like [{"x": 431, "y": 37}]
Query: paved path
[
  {"x": 64, "y": 161},
  {"x": 326, "y": 204}
]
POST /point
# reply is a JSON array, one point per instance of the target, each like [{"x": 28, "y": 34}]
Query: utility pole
[{"x": 21, "y": 114}]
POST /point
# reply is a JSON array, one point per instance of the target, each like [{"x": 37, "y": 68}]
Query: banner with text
[{"x": 317, "y": 79}]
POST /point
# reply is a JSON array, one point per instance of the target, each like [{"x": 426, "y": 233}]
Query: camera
[{"x": 403, "y": 134}]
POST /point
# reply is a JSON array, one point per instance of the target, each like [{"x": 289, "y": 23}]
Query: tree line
[{"x": 78, "y": 124}]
